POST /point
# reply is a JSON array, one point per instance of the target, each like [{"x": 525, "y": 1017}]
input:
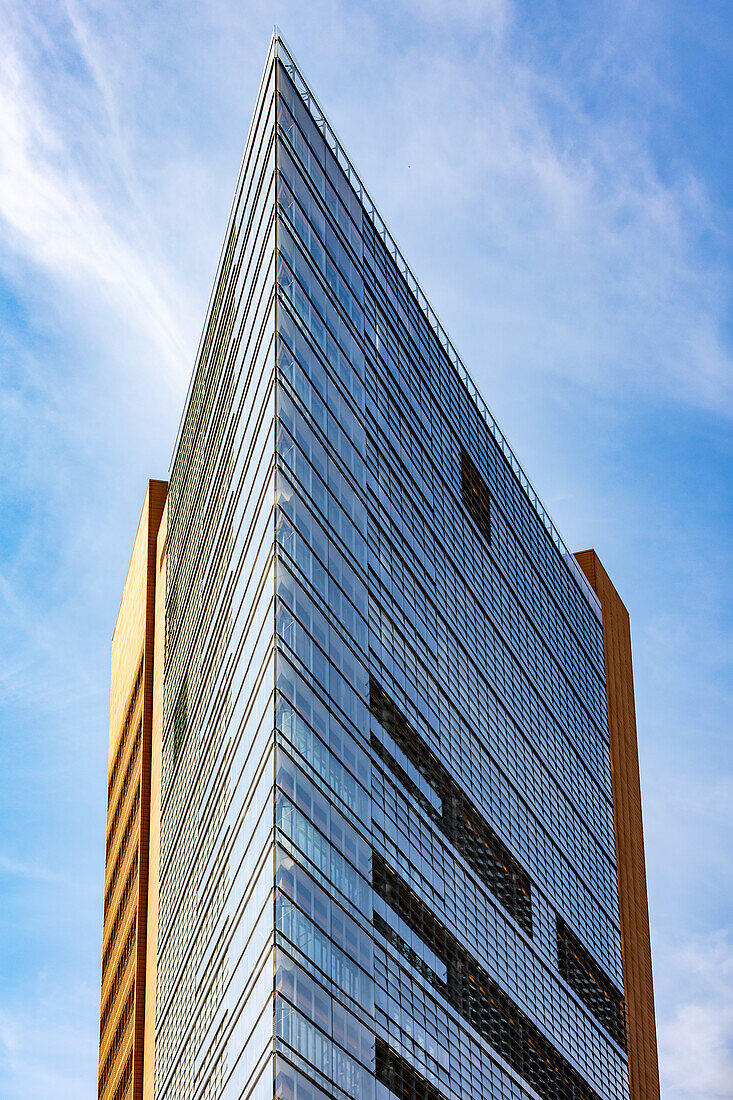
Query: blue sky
[{"x": 558, "y": 176}]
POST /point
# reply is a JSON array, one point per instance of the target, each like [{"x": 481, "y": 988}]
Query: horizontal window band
[
  {"x": 474, "y": 994},
  {"x": 460, "y": 822},
  {"x": 591, "y": 983},
  {"x": 395, "y": 1073}
]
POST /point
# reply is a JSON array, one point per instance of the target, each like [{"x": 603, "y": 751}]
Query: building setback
[{"x": 389, "y": 837}]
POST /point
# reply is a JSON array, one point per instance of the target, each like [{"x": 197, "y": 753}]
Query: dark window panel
[
  {"x": 476, "y": 996},
  {"x": 475, "y": 493},
  {"x": 460, "y": 821},
  {"x": 396, "y": 1074},
  {"x": 595, "y": 989}
]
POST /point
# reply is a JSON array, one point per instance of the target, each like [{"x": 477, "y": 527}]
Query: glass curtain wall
[
  {"x": 387, "y": 850},
  {"x": 216, "y": 931},
  {"x": 441, "y": 724}
]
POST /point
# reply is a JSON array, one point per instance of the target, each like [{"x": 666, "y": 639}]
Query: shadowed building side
[
  {"x": 124, "y": 936},
  {"x": 631, "y": 866}
]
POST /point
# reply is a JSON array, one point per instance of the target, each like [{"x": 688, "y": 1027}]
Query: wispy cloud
[
  {"x": 20, "y": 869},
  {"x": 585, "y": 260},
  {"x": 573, "y": 266},
  {"x": 483, "y": 15},
  {"x": 696, "y": 1037},
  {"x": 590, "y": 261},
  {"x": 62, "y": 220}
]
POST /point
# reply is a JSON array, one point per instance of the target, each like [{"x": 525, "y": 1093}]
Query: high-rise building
[{"x": 392, "y": 842}]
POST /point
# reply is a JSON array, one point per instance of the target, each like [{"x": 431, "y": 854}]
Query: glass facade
[{"x": 387, "y": 844}]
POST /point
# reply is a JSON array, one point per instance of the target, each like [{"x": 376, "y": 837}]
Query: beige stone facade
[
  {"x": 631, "y": 867},
  {"x": 127, "y": 864}
]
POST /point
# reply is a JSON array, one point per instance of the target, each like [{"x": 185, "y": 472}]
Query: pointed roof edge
[
  {"x": 285, "y": 55},
  {"x": 272, "y": 53},
  {"x": 278, "y": 49}
]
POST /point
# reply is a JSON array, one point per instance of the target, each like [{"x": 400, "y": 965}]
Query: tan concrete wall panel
[
  {"x": 631, "y": 865},
  {"x": 123, "y": 987}
]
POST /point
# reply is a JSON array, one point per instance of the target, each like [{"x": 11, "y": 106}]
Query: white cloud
[
  {"x": 696, "y": 1036},
  {"x": 22, "y": 869},
  {"x": 493, "y": 15},
  {"x": 583, "y": 261},
  {"x": 551, "y": 244},
  {"x": 587, "y": 264},
  {"x": 63, "y": 222}
]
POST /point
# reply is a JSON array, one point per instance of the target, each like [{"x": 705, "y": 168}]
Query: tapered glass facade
[{"x": 387, "y": 857}]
